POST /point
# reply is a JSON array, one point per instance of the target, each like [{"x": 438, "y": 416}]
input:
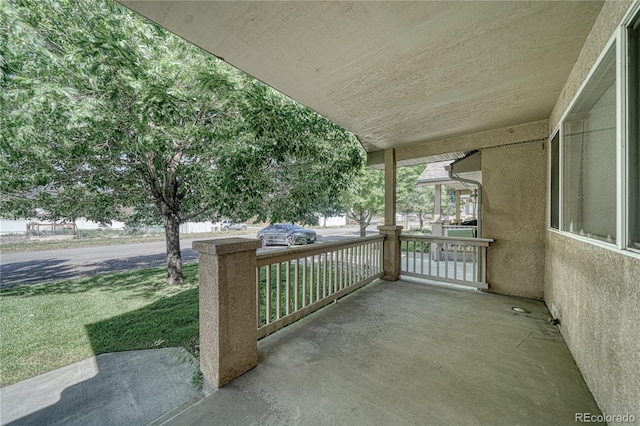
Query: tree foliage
[
  {"x": 102, "y": 110},
  {"x": 412, "y": 198},
  {"x": 364, "y": 198}
]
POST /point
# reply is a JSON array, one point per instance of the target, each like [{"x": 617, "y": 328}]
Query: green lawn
[
  {"x": 51, "y": 325},
  {"x": 13, "y": 244}
]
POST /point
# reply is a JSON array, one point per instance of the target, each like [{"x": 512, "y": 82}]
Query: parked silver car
[
  {"x": 286, "y": 234},
  {"x": 226, "y": 225}
]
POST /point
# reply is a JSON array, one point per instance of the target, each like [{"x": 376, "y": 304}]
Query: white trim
[
  {"x": 611, "y": 44},
  {"x": 630, "y": 16},
  {"x": 555, "y": 132},
  {"x": 589, "y": 76},
  {"x": 622, "y": 100},
  {"x": 561, "y": 176}
]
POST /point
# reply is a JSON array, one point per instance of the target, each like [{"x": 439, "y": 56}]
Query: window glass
[
  {"x": 634, "y": 135},
  {"x": 589, "y": 157}
]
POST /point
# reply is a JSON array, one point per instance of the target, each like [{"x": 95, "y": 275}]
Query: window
[
  {"x": 589, "y": 157},
  {"x": 594, "y": 157},
  {"x": 633, "y": 163}
]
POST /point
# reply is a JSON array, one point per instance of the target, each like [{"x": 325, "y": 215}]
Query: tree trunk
[
  {"x": 421, "y": 221},
  {"x": 363, "y": 229},
  {"x": 174, "y": 258}
]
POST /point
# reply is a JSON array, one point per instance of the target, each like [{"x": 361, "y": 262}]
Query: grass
[
  {"x": 48, "y": 326},
  {"x": 104, "y": 238}
]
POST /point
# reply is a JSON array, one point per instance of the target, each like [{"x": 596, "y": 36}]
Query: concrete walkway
[
  {"x": 124, "y": 388},
  {"x": 401, "y": 353}
]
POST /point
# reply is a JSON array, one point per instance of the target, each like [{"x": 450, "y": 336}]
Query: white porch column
[
  {"x": 228, "y": 317},
  {"x": 391, "y": 246}
]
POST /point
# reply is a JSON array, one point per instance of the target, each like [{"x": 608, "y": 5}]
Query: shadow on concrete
[
  {"x": 132, "y": 387},
  {"x": 40, "y": 271}
]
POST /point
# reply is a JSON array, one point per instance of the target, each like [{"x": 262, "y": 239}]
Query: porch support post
[
  {"x": 228, "y": 318},
  {"x": 390, "y": 187},
  {"x": 457, "y": 205},
  {"x": 391, "y": 245},
  {"x": 391, "y": 252}
]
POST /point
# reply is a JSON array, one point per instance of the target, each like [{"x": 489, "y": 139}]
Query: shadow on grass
[
  {"x": 32, "y": 272},
  {"x": 143, "y": 282},
  {"x": 118, "y": 386},
  {"x": 171, "y": 321}
]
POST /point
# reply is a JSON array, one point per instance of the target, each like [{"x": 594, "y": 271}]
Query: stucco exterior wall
[
  {"x": 597, "y": 295},
  {"x": 514, "y": 196},
  {"x": 610, "y": 17},
  {"x": 595, "y": 290}
]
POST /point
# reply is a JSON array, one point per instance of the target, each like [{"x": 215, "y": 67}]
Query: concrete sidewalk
[{"x": 132, "y": 388}]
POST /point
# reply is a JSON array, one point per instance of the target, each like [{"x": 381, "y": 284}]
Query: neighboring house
[{"x": 547, "y": 92}]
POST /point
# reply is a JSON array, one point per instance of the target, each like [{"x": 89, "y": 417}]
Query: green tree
[
  {"x": 364, "y": 198},
  {"x": 102, "y": 110},
  {"x": 412, "y": 198}
]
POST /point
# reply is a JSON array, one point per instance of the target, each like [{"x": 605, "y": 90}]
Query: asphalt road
[{"x": 36, "y": 267}]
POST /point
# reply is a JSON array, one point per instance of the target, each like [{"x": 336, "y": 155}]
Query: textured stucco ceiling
[{"x": 396, "y": 73}]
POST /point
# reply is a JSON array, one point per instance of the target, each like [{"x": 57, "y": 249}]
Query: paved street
[{"x": 52, "y": 265}]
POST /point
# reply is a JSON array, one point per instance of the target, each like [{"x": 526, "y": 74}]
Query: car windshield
[{"x": 292, "y": 227}]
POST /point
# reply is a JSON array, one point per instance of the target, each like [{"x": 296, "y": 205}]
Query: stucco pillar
[
  {"x": 389, "y": 187},
  {"x": 391, "y": 252},
  {"x": 391, "y": 246},
  {"x": 457, "y": 205},
  {"x": 228, "y": 322}
]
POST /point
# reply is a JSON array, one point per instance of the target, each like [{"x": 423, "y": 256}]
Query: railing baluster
[
  {"x": 464, "y": 263},
  {"x": 324, "y": 276},
  {"x": 297, "y": 285},
  {"x": 484, "y": 264},
  {"x": 278, "y": 292},
  {"x": 455, "y": 261},
  {"x": 351, "y": 265},
  {"x": 317, "y": 278},
  {"x": 312, "y": 283},
  {"x": 414, "y": 255},
  {"x": 304, "y": 283},
  {"x": 475, "y": 264},
  {"x": 288, "y": 290},
  {"x": 268, "y": 293}
]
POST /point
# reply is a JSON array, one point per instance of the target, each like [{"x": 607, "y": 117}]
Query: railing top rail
[
  {"x": 298, "y": 252},
  {"x": 483, "y": 242}
]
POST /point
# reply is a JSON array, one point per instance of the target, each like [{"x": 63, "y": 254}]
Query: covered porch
[
  {"x": 405, "y": 353},
  {"x": 414, "y": 80}
]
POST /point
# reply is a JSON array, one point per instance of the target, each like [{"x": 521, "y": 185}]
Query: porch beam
[{"x": 419, "y": 152}]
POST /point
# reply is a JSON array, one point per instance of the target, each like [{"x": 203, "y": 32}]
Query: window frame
[{"x": 619, "y": 42}]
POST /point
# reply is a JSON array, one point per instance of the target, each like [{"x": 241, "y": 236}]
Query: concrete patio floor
[{"x": 407, "y": 353}]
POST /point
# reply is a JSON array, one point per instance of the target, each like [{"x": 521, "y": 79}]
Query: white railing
[
  {"x": 455, "y": 260},
  {"x": 293, "y": 283}
]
